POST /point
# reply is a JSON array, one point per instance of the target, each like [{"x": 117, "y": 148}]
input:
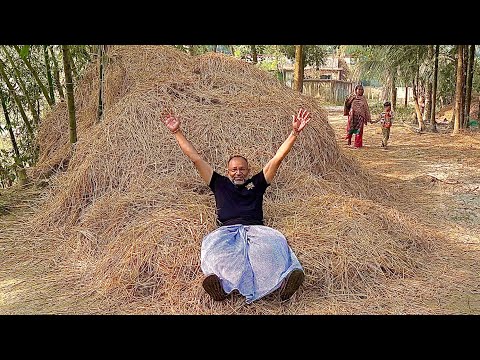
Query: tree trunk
[
  {"x": 468, "y": 97},
  {"x": 387, "y": 90},
  {"x": 49, "y": 73},
  {"x": 464, "y": 87},
  {"x": 478, "y": 110},
  {"x": 418, "y": 111},
  {"x": 15, "y": 97},
  {"x": 37, "y": 97},
  {"x": 433, "y": 126},
  {"x": 298, "y": 73},
  {"x": 22, "y": 85},
  {"x": 458, "y": 90},
  {"x": 70, "y": 94},
  {"x": 393, "y": 95},
  {"x": 56, "y": 73},
  {"x": 428, "y": 102},
  {"x": 35, "y": 75},
  {"x": 254, "y": 54},
  {"x": 428, "y": 87},
  {"x": 101, "y": 67},
  {"x": 72, "y": 65},
  {"x": 19, "y": 168},
  {"x": 406, "y": 96}
]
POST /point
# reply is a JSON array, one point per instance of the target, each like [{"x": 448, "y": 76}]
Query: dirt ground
[{"x": 440, "y": 174}]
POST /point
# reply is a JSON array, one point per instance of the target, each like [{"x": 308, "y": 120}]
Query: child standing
[{"x": 386, "y": 119}]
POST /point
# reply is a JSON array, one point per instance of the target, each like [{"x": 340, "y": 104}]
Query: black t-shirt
[{"x": 239, "y": 204}]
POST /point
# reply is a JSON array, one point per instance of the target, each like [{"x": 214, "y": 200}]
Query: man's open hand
[
  {"x": 300, "y": 120},
  {"x": 172, "y": 122}
]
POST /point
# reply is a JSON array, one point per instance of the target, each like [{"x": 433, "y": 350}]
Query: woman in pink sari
[{"x": 356, "y": 108}]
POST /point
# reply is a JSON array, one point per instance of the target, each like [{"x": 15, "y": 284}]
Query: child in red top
[{"x": 386, "y": 119}]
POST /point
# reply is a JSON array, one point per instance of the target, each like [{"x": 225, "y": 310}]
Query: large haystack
[{"x": 128, "y": 215}]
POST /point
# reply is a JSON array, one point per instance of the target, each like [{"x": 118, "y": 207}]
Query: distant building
[
  {"x": 334, "y": 68},
  {"x": 330, "y": 81}
]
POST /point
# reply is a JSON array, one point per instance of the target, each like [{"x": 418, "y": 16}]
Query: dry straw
[{"x": 126, "y": 211}]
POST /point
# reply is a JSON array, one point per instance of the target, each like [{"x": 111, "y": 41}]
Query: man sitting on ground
[{"x": 242, "y": 253}]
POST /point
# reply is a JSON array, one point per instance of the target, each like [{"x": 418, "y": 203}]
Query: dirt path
[
  {"x": 442, "y": 173},
  {"x": 443, "y": 166},
  {"x": 446, "y": 165}
]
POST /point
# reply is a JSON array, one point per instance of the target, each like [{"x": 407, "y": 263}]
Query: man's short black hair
[
  {"x": 387, "y": 103},
  {"x": 237, "y": 156}
]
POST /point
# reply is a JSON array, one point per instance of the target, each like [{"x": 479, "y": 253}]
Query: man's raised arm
[
  {"x": 298, "y": 123},
  {"x": 204, "y": 168}
]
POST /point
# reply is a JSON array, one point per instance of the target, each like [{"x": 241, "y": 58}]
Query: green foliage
[
  {"x": 314, "y": 55},
  {"x": 202, "y": 49},
  {"x": 7, "y": 168},
  {"x": 375, "y": 108},
  {"x": 447, "y": 82},
  {"x": 374, "y": 62},
  {"x": 25, "y": 51},
  {"x": 184, "y": 48},
  {"x": 81, "y": 56},
  {"x": 476, "y": 78},
  {"x": 403, "y": 113},
  {"x": 268, "y": 64},
  {"x": 9, "y": 163},
  {"x": 242, "y": 50}
]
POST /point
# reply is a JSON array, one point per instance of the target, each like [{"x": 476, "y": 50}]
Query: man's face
[{"x": 238, "y": 170}]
